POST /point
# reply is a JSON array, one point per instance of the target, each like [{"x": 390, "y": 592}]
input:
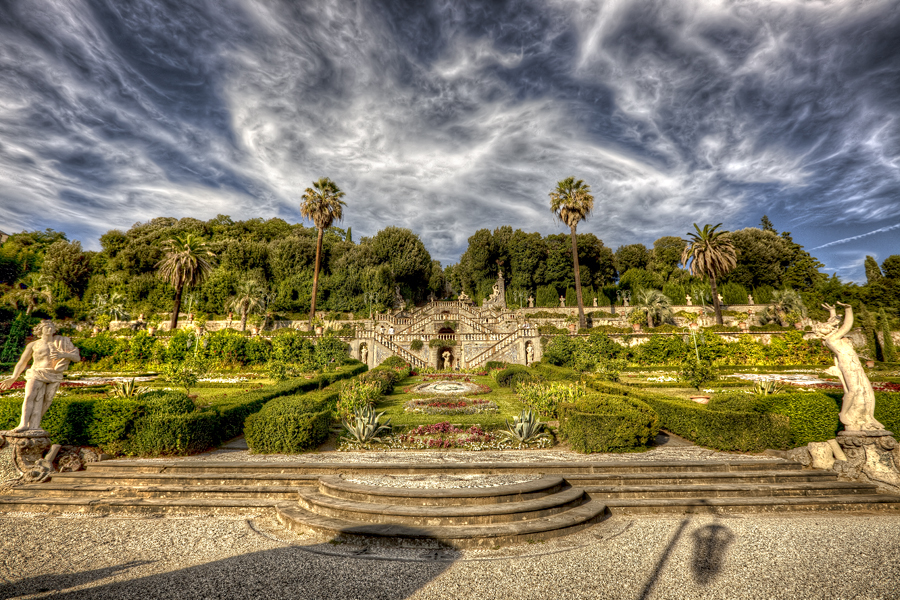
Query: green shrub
[
  {"x": 554, "y": 373},
  {"x": 887, "y": 410},
  {"x": 416, "y": 345},
  {"x": 560, "y": 351},
  {"x": 607, "y": 423},
  {"x": 394, "y": 362},
  {"x": 505, "y": 377},
  {"x": 813, "y": 416},
  {"x": 545, "y": 398},
  {"x": 721, "y": 430},
  {"x": 173, "y": 433},
  {"x": 494, "y": 364},
  {"x": 697, "y": 372},
  {"x": 292, "y": 423}
]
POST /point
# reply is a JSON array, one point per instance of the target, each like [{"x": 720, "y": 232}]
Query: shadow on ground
[{"x": 280, "y": 573}]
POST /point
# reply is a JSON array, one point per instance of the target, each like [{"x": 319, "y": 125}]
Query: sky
[{"x": 448, "y": 117}]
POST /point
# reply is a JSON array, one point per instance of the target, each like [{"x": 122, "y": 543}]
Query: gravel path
[{"x": 747, "y": 556}]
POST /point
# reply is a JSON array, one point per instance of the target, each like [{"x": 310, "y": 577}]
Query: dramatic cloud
[{"x": 446, "y": 117}]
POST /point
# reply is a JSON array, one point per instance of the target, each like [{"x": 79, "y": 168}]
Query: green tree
[
  {"x": 572, "y": 202},
  {"x": 888, "y": 351},
  {"x": 66, "y": 265},
  {"x": 787, "y": 304},
  {"x": 322, "y": 204},
  {"x": 655, "y": 305},
  {"x": 31, "y": 291},
  {"x": 711, "y": 253},
  {"x": 666, "y": 255},
  {"x": 249, "y": 297},
  {"x": 185, "y": 264},
  {"x": 873, "y": 272},
  {"x": 766, "y": 225},
  {"x": 632, "y": 256}
]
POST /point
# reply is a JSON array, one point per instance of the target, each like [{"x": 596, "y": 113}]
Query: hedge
[
  {"x": 721, "y": 430},
  {"x": 159, "y": 422},
  {"x": 554, "y": 372},
  {"x": 292, "y": 423},
  {"x": 608, "y": 423},
  {"x": 514, "y": 374}
]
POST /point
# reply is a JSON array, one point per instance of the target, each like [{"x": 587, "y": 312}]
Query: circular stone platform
[
  {"x": 440, "y": 481},
  {"x": 447, "y": 387}
]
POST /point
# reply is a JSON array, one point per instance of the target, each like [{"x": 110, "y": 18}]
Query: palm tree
[
  {"x": 185, "y": 264},
  {"x": 30, "y": 290},
  {"x": 112, "y": 305},
  {"x": 654, "y": 304},
  {"x": 572, "y": 202},
  {"x": 785, "y": 304},
  {"x": 322, "y": 204},
  {"x": 249, "y": 297},
  {"x": 713, "y": 255}
]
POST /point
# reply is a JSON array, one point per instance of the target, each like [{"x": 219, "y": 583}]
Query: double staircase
[{"x": 559, "y": 498}]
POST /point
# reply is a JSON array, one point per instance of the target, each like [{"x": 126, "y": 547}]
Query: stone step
[
  {"x": 210, "y": 467},
  {"x": 139, "y": 506},
  {"x": 113, "y": 477},
  {"x": 852, "y": 503},
  {"x": 297, "y": 518},
  {"x": 745, "y": 490},
  {"x": 699, "y": 477},
  {"x": 89, "y": 491},
  {"x": 432, "y": 516},
  {"x": 335, "y": 486}
]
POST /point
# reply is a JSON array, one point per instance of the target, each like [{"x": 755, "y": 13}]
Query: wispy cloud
[
  {"x": 448, "y": 116},
  {"x": 859, "y": 237}
]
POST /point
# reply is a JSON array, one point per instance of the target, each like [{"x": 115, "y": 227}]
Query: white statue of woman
[{"x": 858, "y": 407}]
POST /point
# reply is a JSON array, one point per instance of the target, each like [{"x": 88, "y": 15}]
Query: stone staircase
[{"x": 562, "y": 498}]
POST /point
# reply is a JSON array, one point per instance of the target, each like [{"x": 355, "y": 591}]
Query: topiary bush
[
  {"x": 505, "y": 377},
  {"x": 608, "y": 423},
  {"x": 887, "y": 411},
  {"x": 813, "y": 415},
  {"x": 291, "y": 424},
  {"x": 721, "y": 430}
]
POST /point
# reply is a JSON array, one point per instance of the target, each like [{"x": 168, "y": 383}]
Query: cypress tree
[{"x": 887, "y": 346}]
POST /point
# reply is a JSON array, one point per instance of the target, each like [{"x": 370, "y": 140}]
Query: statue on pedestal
[
  {"x": 595, "y": 302},
  {"x": 50, "y": 356},
  {"x": 866, "y": 450},
  {"x": 689, "y": 303},
  {"x": 530, "y": 301},
  {"x": 562, "y": 301},
  {"x": 750, "y": 299}
]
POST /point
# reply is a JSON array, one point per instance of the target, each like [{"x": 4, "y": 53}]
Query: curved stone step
[
  {"x": 297, "y": 518},
  {"x": 857, "y": 503},
  {"x": 110, "y": 505},
  {"x": 436, "y": 516},
  {"x": 744, "y": 490},
  {"x": 336, "y": 486}
]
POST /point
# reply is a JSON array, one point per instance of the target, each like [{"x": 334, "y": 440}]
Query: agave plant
[
  {"x": 364, "y": 425},
  {"x": 765, "y": 388},
  {"x": 126, "y": 389},
  {"x": 525, "y": 428}
]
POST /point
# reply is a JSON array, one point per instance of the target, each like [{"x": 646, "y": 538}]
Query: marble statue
[
  {"x": 399, "y": 301},
  {"x": 50, "y": 357},
  {"x": 721, "y": 300},
  {"x": 448, "y": 359},
  {"x": 530, "y": 301},
  {"x": 750, "y": 299},
  {"x": 464, "y": 297},
  {"x": 562, "y": 301},
  {"x": 364, "y": 354},
  {"x": 689, "y": 303},
  {"x": 595, "y": 302},
  {"x": 529, "y": 354},
  {"x": 858, "y": 407}
]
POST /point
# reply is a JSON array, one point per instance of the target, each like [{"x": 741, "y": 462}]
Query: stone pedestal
[
  {"x": 22, "y": 457},
  {"x": 871, "y": 456}
]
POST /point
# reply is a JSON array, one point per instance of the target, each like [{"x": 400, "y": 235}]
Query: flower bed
[
  {"x": 449, "y": 405},
  {"x": 445, "y": 387},
  {"x": 442, "y": 436}
]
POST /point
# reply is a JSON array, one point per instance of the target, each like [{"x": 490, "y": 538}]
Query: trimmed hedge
[
  {"x": 887, "y": 410},
  {"x": 721, "y": 430},
  {"x": 292, "y": 423},
  {"x": 554, "y": 373},
  {"x": 514, "y": 374},
  {"x": 608, "y": 423},
  {"x": 159, "y": 422}
]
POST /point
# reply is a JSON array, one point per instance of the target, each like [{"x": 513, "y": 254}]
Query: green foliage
[
  {"x": 697, "y": 372},
  {"x": 330, "y": 352},
  {"x": 721, "y": 430},
  {"x": 355, "y": 395},
  {"x": 608, "y": 423},
  {"x": 291, "y": 423},
  {"x": 888, "y": 351},
  {"x": 364, "y": 425},
  {"x": 185, "y": 374},
  {"x": 560, "y": 351},
  {"x": 126, "y": 389},
  {"x": 887, "y": 410},
  {"x": 545, "y": 398},
  {"x": 394, "y": 362},
  {"x": 526, "y": 429},
  {"x": 15, "y": 341},
  {"x": 512, "y": 375},
  {"x": 416, "y": 345}
]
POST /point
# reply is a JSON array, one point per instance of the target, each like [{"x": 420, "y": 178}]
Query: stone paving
[{"x": 743, "y": 556}]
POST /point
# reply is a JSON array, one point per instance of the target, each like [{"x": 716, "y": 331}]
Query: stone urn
[
  {"x": 319, "y": 330},
  {"x": 743, "y": 326},
  {"x": 190, "y": 317},
  {"x": 573, "y": 328},
  {"x": 254, "y": 330},
  {"x": 870, "y": 363},
  {"x": 635, "y": 326},
  {"x": 151, "y": 330},
  {"x": 700, "y": 399}
]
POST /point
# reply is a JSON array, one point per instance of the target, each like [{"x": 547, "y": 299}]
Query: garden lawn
[{"x": 506, "y": 400}]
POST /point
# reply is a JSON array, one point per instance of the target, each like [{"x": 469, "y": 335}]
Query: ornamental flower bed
[
  {"x": 444, "y": 387},
  {"x": 451, "y": 405},
  {"x": 442, "y": 436}
]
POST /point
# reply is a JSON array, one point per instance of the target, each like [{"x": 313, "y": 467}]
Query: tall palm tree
[
  {"x": 322, "y": 204},
  {"x": 713, "y": 255},
  {"x": 249, "y": 297},
  {"x": 787, "y": 303},
  {"x": 572, "y": 202},
  {"x": 185, "y": 264},
  {"x": 654, "y": 304}
]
